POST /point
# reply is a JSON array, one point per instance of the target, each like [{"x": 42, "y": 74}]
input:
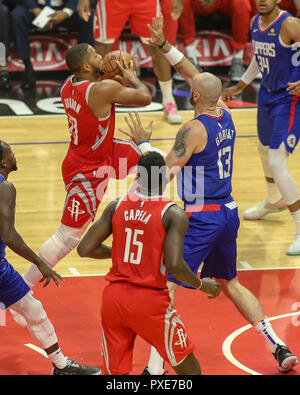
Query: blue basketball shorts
[
  {"x": 211, "y": 240},
  {"x": 278, "y": 119},
  {"x": 12, "y": 286}
]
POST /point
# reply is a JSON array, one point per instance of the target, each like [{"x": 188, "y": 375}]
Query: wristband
[
  {"x": 200, "y": 284},
  {"x": 142, "y": 142},
  {"x": 145, "y": 146},
  {"x": 162, "y": 44},
  {"x": 174, "y": 56}
]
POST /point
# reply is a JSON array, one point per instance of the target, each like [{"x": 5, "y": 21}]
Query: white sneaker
[
  {"x": 294, "y": 248},
  {"x": 20, "y": 320},
  {"x": 171, "y": 114},
  {"x": 263, "y": 208}
]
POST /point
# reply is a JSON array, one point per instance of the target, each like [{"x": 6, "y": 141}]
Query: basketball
[{"x": 110, "y": 67}]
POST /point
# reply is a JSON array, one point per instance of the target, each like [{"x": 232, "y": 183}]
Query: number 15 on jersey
[{"x": 132, "y": 243}]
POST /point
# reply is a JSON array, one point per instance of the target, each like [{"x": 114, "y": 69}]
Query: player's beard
[
  {"x": 14, "y": 167},
  {"x": 97, "y": 72}
]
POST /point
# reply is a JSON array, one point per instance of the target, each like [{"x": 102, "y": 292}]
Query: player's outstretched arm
[
  {"x": 140, "y": 134},
  {"x": 246, "y": 79},
  {"x": 91, "y": 244},
  {"x": 13, "y": 240},
  {"x": 176, "y": 223},
  {"x": 175, "y": 57}
]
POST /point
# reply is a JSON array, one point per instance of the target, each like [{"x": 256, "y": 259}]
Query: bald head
[{"x": 209, "y": 87}]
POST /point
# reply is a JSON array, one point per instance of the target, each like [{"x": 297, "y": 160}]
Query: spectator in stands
[
  {"x": 240, "y": 11},
  {"x": 65, "y": 15},
  {"x": 111, "y": 18},
  {"x": 5, "y": 8}
]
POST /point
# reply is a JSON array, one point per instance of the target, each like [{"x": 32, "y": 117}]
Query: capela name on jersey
[{"x": 137, "y": 215}]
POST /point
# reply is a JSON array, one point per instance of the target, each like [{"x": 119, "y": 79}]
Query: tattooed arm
[{"x": 190, "y": 139}]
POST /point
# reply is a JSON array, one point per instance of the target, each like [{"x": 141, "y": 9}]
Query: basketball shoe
[
  {"x": 294, "y": 248},
  {"x": 285, "y": 358},
  {"x": 146, "y": 372},
  {"x": 264, "y": 208},
  {"x": 74, "y": 369},
  {"x": 171, "y": 114}
]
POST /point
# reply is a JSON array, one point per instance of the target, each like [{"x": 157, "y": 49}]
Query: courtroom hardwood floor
[{"x": 40, "y": 143}]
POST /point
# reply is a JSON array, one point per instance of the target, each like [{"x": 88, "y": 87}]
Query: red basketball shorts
[
  {"x": 129, "y": 310},
  {"x": 85, "y": 186},
  {"x": 112, "y": 15}
]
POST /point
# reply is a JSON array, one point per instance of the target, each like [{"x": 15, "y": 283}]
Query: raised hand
[
  {"x": 136, "y": 130},
  {"x": 157, "y": 34}
]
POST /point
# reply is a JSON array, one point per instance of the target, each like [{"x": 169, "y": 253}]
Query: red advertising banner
[{"x": 48, "y": 51}]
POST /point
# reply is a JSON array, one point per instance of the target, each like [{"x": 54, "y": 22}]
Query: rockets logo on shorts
[
  {"x": 75, "y": 209},
  {"x": 182, "y": 335}
]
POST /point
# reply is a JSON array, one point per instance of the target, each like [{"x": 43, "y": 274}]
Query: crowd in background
[{"x": 16, "y": 18}]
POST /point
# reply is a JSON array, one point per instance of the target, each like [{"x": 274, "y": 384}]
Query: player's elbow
[
  {"x": 173, "y": 267},
  {"x": 145, "y": 100},
  {"x": 82, "y": 250}
]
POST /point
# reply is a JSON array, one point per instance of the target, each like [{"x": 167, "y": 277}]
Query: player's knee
[
  {"x": 37, "y": 312},
  {"x": 189, "y": 366},
  {"x": 61, "y": 243},
  {"x": 34, "y": 311},
  {"x": 276, "y": 164},
  {"x": 229, "y": 287}
]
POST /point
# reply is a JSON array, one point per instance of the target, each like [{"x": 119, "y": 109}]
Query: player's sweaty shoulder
[
  {"x": 101, "y": 97},
  {"x": 104, "y": 90}
]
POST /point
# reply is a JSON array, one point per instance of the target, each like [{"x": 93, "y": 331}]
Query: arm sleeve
[{"x": 251, "y": 72}]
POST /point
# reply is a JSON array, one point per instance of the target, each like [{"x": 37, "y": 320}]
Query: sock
[
  {"x": 166, "y": 91},
  {"x": 273, "y": 193},
  {"x": 265, "y": 328},
  {"x": 296, "y": 217},
  {"x": 238, "y": 54},
  {"x": 58, "y": 359},
  {"x": 156, "y": 363},
  {"x": 190, "y": 51}
]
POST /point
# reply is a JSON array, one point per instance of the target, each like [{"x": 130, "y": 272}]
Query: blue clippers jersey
[
  {"x": 2, "y": 245},
  {"x": 278, "y": 63},
  {"x": 207, "y": 175}
]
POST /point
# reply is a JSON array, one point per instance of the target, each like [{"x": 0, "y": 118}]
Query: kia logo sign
[
  {"x": 213, "y": 48},
  {"x": 47, "y": 53}
]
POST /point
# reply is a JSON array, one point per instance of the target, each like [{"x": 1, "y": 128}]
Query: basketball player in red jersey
[
  {"x": 148, "y": 232},
  {"x": 90, "y": 108}
]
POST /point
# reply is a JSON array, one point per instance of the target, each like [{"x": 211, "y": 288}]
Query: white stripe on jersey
[{"x": 126, "y": 142}]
